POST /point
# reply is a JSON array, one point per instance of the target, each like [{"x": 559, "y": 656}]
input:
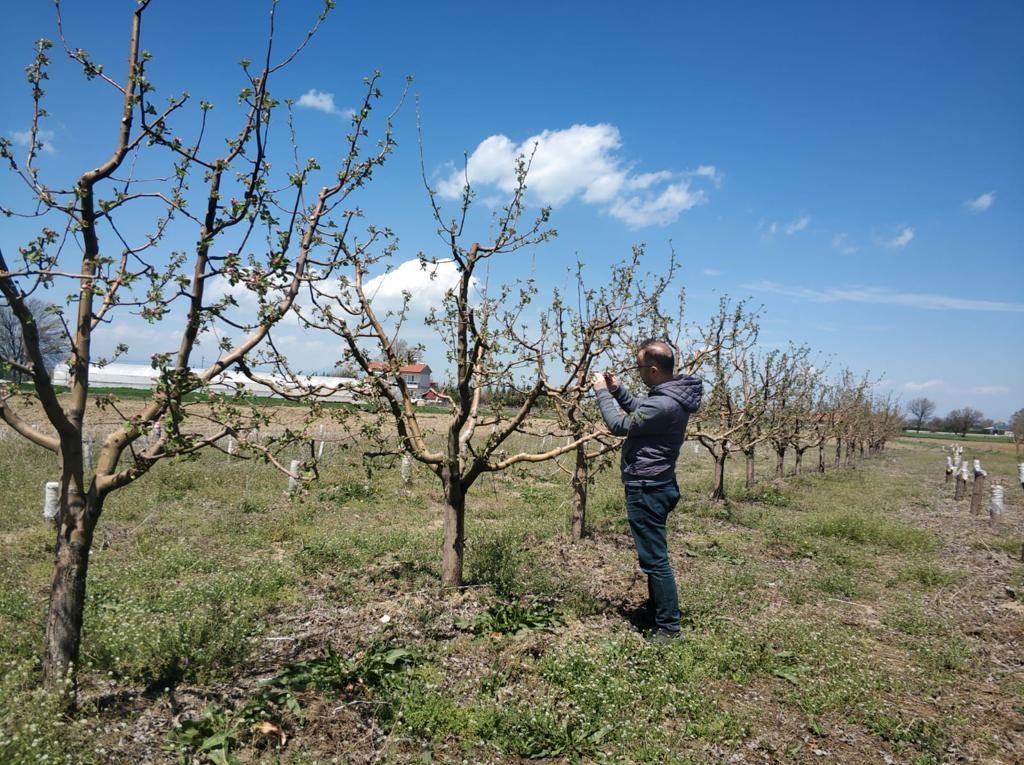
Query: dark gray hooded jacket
[{"x": 654, "y": 427}]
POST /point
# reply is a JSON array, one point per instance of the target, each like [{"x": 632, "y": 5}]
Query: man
[{"x": 655, "y": 428}]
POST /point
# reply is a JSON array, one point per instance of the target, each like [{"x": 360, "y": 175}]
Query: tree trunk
[
  {"x": 454, "y": 529},
  {"x": 718, "y": 493},
  {"x": 839, "y": 451},
  {"x": 780, "y": 462},
  {"x": 749, "y": 453},
  {"x": 821, "y": 458},
  {"x": 580, "y": 479},
  {"x": 961, "y": 484},
  {"x": 977, "y": 493},
  {"x": 798, "y": 458},
  {"x": 67, "y": 588}
]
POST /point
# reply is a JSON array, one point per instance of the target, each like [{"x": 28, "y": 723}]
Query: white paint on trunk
[{"x": 51, "y": 501}]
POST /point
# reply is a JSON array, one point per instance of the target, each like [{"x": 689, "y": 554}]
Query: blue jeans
[{"x": 647, "y": 507}]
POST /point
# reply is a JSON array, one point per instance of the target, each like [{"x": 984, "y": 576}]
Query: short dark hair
[{"x": 660, "y": 354}]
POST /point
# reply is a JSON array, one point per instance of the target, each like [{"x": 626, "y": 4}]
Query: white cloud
[
  {"x": 882, "y": 295},
  {"x": 322, "y": 102},
  {"x": 711, "y": 272},
  {"x": 901, "y": 240},
  {"x": 797, "y": 225},
  {"x": 426, "y": 285},
  {"x": 991, "y": 389},
  {"x": 981, "y": 203},
  {"x": 43, "y": 137},
  {"x": 768, "y": 230},
  {"x": 924, "y": 385},
  {"x": 841, "y": 243},
  {"x": 582, "y": 162}
]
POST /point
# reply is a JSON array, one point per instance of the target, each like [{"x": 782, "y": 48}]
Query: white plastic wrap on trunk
[
  {"x": 51, "y": 501},
  {"x": 949, "y": 464},
  {"x": 406, "y": 469},
  {"x": 996, "y": 508},
  {"x": 1020, "y": 473},
  {"x": 963, "y": 470},
  {"x": 320, "y": 451},
  {"x": 978, "y": 469},
  {"x": 231, "y": 446},
  {"x": 293, "y": 476}
]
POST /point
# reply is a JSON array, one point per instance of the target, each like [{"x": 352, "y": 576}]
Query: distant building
[
  {"x": 144, "y": 376},
  {"x": 416, "y": 376}
]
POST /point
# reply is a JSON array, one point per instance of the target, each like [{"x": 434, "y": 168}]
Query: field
[{"x": 858, "y": 616}]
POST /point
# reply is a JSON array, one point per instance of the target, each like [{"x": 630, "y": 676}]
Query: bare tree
[
  {"x": 493, "y": 343},
  {"x": 254, "y": 233},
  {"x": 602, "y": 325},
  {"x": 727, "y": 413},
  {"x": 920, "y": 409},
  {"x": 1017, "y": 428},
  {"x": 963, "y": 420},
  {"x": 53, "y": 340}
]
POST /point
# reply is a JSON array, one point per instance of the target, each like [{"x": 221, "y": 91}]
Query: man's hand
[{"x": 605, "y": 381}]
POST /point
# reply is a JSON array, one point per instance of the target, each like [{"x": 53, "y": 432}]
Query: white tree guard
[
  {"x": 996, "y": 506},
  {"x": 51, "y": 501},
  {"x": 320, "y": 450},
  {"x": 293, "y": 476},
  {"x": 406, "y": 470},
  {"x": 1020, "y": 473}
]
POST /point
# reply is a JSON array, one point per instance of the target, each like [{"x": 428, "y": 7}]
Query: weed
[
  {"x": 929, "y": 575},
  {"x": 515, "y": 618},
  {"x": 374, "y": 667},
  {"x": 507, "y": 564},
  {"x": 869, "y": 528},
  {"x": 769, "y": 495}
]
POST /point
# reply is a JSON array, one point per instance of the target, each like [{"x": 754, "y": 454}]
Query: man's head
[{"x": 655, "y": 361}]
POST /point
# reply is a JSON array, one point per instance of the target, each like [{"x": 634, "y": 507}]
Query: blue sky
[{"x": 857, "y": 168}]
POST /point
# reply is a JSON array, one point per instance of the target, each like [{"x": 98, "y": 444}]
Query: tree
[
  {"x": 252, "y": 232},
  {"x": 1017, "y": 427},
  {"x": 730, "y": 410},
  {"x": 53, "y": 339},
  {"x": 920, "y": 409},
  {"x": 403, "y": 351},
  {"x": 963, "y": 420},
  {"x": 493, "y": 344},
  {"x": 606, "y": 325}
]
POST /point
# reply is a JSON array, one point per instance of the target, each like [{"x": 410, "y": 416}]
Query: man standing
[{"x": 655, "y": 428}]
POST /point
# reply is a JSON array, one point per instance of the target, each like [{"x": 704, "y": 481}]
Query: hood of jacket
[{"x": 684, "y": 389}]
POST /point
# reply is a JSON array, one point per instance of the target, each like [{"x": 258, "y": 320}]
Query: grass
[{"x": 823, "y": 613}]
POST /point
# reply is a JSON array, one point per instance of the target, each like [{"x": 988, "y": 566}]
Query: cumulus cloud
[
  {"x": 901, "y": 240},
  {"x": 425, "y": 284},
  {"x": 44, "y": 138},
  {"x": 322, "y": 102},
  {"x": 882, "y": 295},
  {"x": 583, "y": 162},
  {"x": 841, "y": 243},
  {"x": 924, "y": 385},
  {"x": 981, "y": 203}
]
